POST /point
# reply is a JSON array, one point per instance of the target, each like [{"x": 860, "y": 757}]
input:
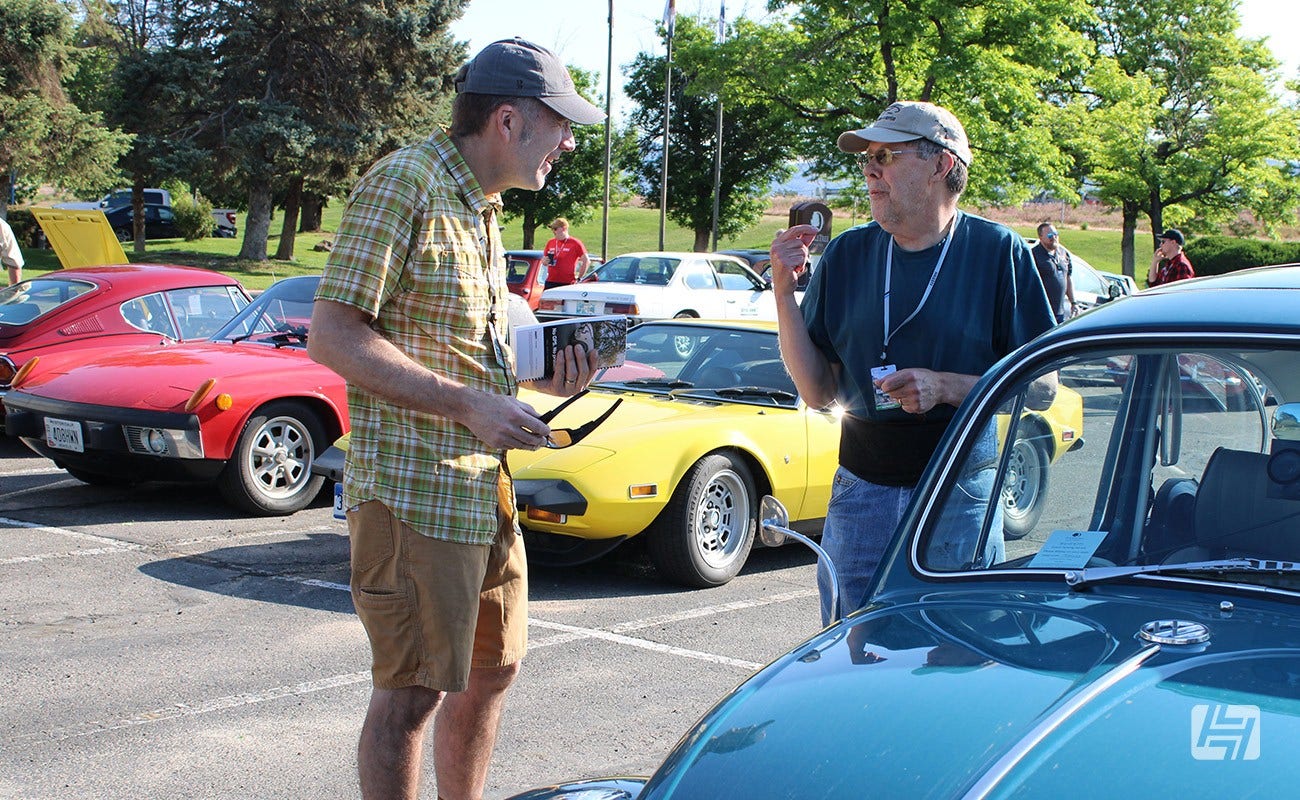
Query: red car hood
[{"x": 165, "y": 377}]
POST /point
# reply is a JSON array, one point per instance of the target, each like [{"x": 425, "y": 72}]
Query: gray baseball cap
[
  {"x": 519, "y": 68},
  {"x": 903, "y": 122}
]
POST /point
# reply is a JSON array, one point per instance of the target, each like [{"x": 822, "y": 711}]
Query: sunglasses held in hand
[{"x": 566, "y": 437}]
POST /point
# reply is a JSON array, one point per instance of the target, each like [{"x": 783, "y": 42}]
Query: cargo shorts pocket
[{"x": 372, "y": 536}]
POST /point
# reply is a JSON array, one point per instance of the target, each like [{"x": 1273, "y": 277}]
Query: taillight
[
  {"x": 630, "y": 309},
  {"x": 550, "y": 305}
]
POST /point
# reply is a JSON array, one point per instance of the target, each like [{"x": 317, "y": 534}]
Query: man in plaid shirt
[
  {"x": 1169, "y": 263},
  {"x": 408, "y": 311}
]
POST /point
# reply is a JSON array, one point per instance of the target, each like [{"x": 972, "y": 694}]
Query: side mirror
[{"x": 1114, "y": 291}]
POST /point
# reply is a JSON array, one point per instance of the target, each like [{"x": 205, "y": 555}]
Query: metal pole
[
  {"x": 609, "y": 121},
  {"x": 717, "y": 175},
  {"x": 663, "y": 172}
]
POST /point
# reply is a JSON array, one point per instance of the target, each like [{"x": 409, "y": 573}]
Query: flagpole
[
  {"x": 663, "y": 171},
  {"x": 717, "y": 141},
  {"x": 609, "y": 121}
]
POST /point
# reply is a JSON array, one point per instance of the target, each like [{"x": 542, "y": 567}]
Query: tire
[
  {"x": 684, "y": 346},
  {"x": 95, "y": 479},
  {"x": 1024, "y": 489},
  {"x": 705, "y": 533},
  {"x": 269, "y": 474},
  {"x": 125, "y": 235}
]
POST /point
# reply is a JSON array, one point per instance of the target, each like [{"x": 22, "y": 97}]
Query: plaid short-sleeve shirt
[{"x": 418, "y": 250}]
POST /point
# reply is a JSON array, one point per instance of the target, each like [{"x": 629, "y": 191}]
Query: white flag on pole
[
  {"x": 722, "y": 22},
  {"x": 670, "y": 16}
]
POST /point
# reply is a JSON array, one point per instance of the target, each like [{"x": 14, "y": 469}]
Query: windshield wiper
[
  {"x": 1077, "y": 578},
  {"x": 665, "y": 383},
  {"x": 755, "y": 391}
]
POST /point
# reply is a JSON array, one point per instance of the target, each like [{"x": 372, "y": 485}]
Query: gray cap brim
[
  {"x": 859, "y": 140},
  {"x": 574, "y": 108}
]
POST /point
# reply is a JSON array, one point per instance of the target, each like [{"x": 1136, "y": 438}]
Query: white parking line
[{"x": 644, "y": 644}]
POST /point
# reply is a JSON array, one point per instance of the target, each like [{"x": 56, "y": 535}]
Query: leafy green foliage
[
  {"x": 193, "y": 215},
  {"x": 1216, "y": 255}
]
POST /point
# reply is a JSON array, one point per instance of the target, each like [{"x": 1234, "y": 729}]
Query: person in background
[
  {"x": 1056, "y": 269},
  {"x": 412, "y": 311},
  {"x": 1169, "y": 263},
  {"x": 10, "y": 255},
  {"x": 900, "y": 319},
  {"x": 566, "y": 256}
]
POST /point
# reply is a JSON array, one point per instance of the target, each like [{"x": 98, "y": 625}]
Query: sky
[{"x": 578, "y": 32}]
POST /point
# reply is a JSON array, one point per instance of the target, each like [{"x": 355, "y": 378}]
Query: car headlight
[{"x": 165, "y": 442}]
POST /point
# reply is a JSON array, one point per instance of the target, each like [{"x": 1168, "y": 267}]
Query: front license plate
[
  {"x": 586, "y": 307},
  {"x": 64, "y": 434}
]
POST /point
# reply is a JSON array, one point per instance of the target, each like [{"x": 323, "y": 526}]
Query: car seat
[{"x": 1234, "y": 515}]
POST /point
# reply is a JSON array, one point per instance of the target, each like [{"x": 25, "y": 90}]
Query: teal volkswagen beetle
[{"x": 1141, "y": 640}]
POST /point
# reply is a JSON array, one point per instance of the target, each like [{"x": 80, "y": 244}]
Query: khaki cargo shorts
[{"x": 435, "y": 609}]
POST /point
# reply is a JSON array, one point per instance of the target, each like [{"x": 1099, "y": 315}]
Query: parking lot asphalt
[{"x": 158, "y": 644}]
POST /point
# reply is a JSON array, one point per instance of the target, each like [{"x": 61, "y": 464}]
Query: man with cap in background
[
  {"x": 1169, "y": 263},
  {"x": 411, "y": 310},
  {"x": 899, "y": 321}
]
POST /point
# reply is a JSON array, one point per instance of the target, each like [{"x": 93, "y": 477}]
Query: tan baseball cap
[
  {"x": 519, "y": 68},
  {"x": 902, "y": 122}
]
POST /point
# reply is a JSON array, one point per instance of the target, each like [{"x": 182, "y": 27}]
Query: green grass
[{"x": 630, "y": 229}]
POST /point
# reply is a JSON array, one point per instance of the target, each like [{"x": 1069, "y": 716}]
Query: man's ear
[
  {"x": 947, "y": 160},
  {"x": 507, "y": 121}
]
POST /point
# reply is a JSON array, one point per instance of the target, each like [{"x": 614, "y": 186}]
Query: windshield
[
  {"x": 655, "y": 270},
  {"x": 730, "y": 363},
  {"x": 282, "y": 313},
  {"x": 1144, "y": 458},
  {"x": 28, "y": 301}
]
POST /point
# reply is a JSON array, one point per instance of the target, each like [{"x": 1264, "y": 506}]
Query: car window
[
  {"x": 698, "y": 275},
  {"x": 29, "y": 300},
  {"x": 517, "y": 270},
  {"x": 201, "y": 311},
  {"x": 1087, "y": 280},
  {"x": 1153, "y": 456},
  {"x": 733, "y": 276},
  {"x": 149, "y": 313}
]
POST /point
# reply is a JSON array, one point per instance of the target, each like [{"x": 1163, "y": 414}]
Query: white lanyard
[{"x": 889, "y": 272}]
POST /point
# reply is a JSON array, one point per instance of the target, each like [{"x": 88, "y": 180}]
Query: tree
[
  {"x": 1214, "y": 141},
  {"x": 43, "y": 135},
  {"x": 756, "y": 147},
  {"x": 575, "y": 186},
  {"x": 833, "y": 66},
  {"x": 319, "y": 87}
]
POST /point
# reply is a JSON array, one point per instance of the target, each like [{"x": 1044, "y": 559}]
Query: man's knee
[
  {"x": 407, "y": 708},
  {"x": 493, "y": 680}
]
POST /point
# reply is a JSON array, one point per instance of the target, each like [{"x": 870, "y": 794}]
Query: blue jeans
[
  {"x": 860, "y": 521},
  {"x": 862, "y": 518}
]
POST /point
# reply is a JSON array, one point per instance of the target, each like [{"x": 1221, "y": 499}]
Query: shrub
[
  {"x": 26, "y": 229},
  {"x": 193, "y": 216},
  {"x": 1217, "y": 255}
]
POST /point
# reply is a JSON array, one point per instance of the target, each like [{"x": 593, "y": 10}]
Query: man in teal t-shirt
[{"x": 900, "y": 319}]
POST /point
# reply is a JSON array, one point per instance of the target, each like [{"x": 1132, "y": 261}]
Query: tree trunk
[
  {"x": 6, "y": 186},
  {"x": 310, "y": 213},
  {"x": 1130, "y": 210},
  {"x": 137, "y": 215},
  {"x": 702, "y": 240},
  {"x": 530, "y": 229},
  {"x": 258, "y": 225},
  {"x": 284, "y": 252}
]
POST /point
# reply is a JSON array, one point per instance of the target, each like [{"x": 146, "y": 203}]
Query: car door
[
  {"x": 695, "y": 287},
  {"x": 745, "y": 295}
]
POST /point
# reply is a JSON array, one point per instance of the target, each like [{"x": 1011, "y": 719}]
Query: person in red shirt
[
  {"x": 1169, "y": 263},
  {"x": 566, "y": 256}
]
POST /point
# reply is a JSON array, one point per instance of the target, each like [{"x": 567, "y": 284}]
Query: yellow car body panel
[{"x": 80, "y": 238}]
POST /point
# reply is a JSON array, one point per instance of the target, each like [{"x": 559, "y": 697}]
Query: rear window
[{"x": 27, "y": 301}]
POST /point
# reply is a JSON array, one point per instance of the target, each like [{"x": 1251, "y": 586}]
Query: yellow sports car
[{"x": 709, "y": 423}]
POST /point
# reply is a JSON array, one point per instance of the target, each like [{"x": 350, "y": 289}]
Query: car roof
[
  {"x": 741, "y": 324},
  {"x": 525, "y": 253},
  {"x": 1253, "y": 300},
  {"x": 682, "y": 254}
]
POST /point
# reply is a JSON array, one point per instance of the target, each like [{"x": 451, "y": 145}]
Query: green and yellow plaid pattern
[{"x": 418, "y": 249}]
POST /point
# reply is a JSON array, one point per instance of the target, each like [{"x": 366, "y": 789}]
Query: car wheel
[
  {"x": 684, "y": 346},
  {"x": 269, "y": 473},
  {"x": 96, "y": 479},
  {"x": 125, "y": 235},
  {"x": 1024, "y": 489},
  {"x": 705, "y": 533}
]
